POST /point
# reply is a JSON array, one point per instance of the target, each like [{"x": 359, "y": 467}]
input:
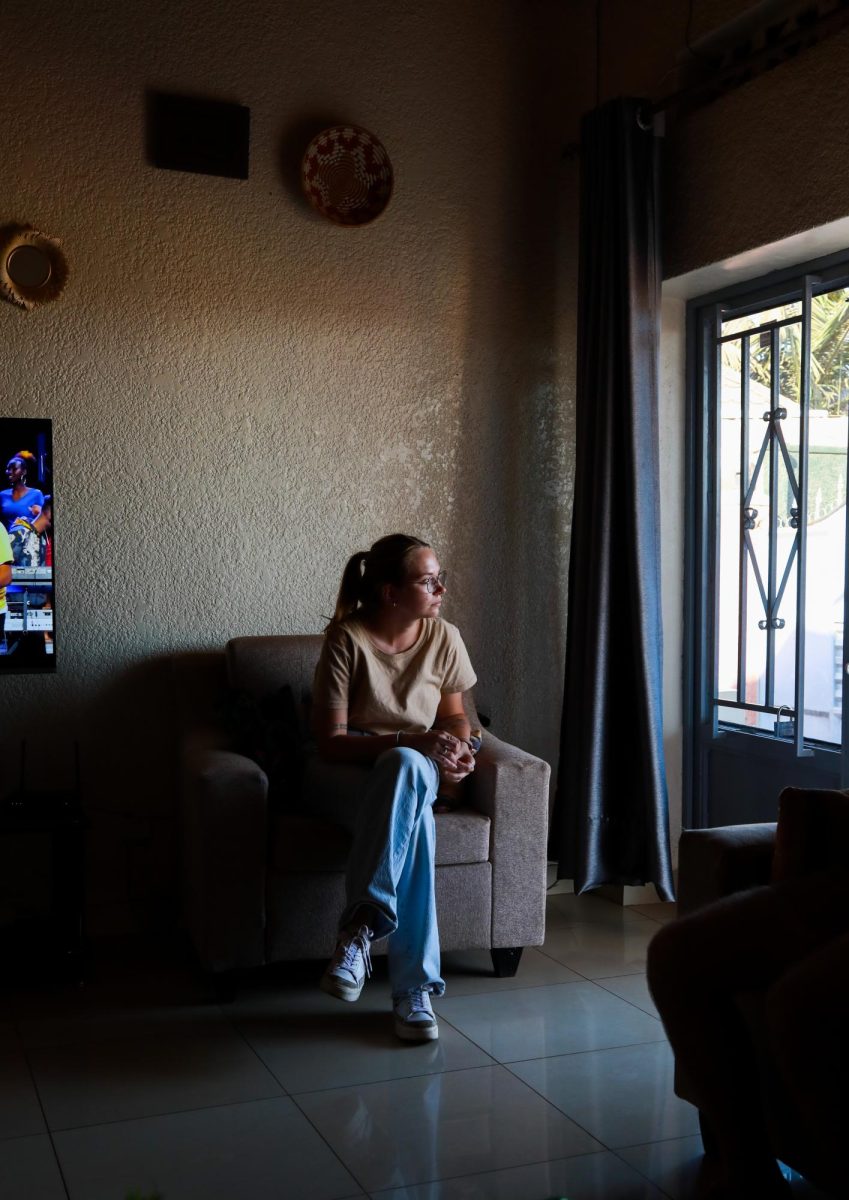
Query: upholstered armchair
[
  {"x": 811, "y": 835},
  {"x": 264, "y": 882}
]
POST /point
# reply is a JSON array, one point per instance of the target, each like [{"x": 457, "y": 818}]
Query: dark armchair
[{"x": 812, "y": 835}]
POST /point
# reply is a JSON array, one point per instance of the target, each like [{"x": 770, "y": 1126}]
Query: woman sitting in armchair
[{"x": 389, "y": 696}]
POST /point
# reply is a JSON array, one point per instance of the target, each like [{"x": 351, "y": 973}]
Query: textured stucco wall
[
  {"x": 766, "y": 161},
  {"x": 243, "y": 394}
]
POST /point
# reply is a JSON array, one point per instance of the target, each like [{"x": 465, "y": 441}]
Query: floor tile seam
[
  {"x": 341, "y": 1087},
  {"x": 514, "y": 1062},
  {"x": 542, "y": 950},
  {"x": 611, "y": 992},
  {"x": 561, "y": 1112},
  {"x": 48, "y": 1130},
  {"x": 618, "y": 974},
  {"x": 632, "y": 925},
  {"x": 594, "y": 931},
  {"x": 168, "y": 1112},
  {"x": 537, "y": 1058},
  {"x": 506, "y": 991},
  {"x": 537, "y": 1162},
  {"x": 656, "y": 920},
  {"x": 585, "y": 954},
  {"x": 675, "y": 1137},
  {"x": 607, "y": 932},
  {"x": 331, "y": 1148},
  {"x": 642, "y": 1174},
  {"x": 335, "y": 1087},
  {"x": 535, "y": 987},
  {"x": 642, "y": 917},
  {"x": 21, "y": 1137},
  {"x": 443, "y": 1019},
  {"x": 240, "y": 1035},
  {"x": 589, "y": 978},
  {"x": 493, "y": 1061},
  {"x": 564, "y": 983},
  {"x": 605, "y": 1145}
]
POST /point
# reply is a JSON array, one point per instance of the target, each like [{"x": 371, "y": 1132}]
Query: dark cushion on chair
[
  {"x": 303, "y": 844},
  {"x": 267, "y": 730},
  {"x": 261, "y": 665}
]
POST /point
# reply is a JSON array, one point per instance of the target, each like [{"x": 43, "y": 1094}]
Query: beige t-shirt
[{"x": 387, "y": 692}]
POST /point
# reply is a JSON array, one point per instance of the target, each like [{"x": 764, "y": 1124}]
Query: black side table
[{"x": 53, "y": 943}]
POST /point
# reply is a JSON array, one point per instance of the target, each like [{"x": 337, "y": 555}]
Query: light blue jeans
[{"x": 389, "y": 811}]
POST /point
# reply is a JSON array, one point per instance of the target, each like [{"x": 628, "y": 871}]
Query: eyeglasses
[{"x": 431, "y": 582}]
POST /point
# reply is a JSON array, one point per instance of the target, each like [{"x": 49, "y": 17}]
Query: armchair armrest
[
  {"x": 225, "y": 844},
  {"x": 716, "y": 862},
  {"x": 511, "y": 788}
]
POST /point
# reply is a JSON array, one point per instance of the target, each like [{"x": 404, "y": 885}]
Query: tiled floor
[{"x": 556, "y": 1083}]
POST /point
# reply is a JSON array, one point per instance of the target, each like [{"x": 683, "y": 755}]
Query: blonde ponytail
[
  {"x": 367, "y": 571},
  {"x": 350, "y": 589}
]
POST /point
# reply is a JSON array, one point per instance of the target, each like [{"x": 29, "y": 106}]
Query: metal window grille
[{"x": 765, "y": 570}]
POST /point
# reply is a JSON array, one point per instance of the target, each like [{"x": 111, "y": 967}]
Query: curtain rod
[{"x": 734, "y": 75}]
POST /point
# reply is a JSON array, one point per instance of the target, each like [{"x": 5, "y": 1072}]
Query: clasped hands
[{"x": 452, "y": 756}]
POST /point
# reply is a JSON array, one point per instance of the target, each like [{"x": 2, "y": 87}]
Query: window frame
[{"x": 701, "y": 575}]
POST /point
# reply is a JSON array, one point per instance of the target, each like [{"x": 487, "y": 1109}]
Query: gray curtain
[{"x": 611, "y": 815}]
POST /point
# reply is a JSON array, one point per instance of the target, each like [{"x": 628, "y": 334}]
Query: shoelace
[
  {"x": 418, "y": 1003},
  {"x": 357, "y": 944}
]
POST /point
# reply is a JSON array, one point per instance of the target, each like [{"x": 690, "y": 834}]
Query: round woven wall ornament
[
  {"x": 346, "y": 175},
  {"x": 33, "y": 269}
]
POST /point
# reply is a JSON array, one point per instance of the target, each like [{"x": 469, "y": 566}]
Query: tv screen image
[{"x": 27, "y": 599}]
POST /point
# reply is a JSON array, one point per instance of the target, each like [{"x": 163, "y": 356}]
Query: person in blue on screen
[
  {"x": 30, "y": 543},
  {"x": 20, "y": 500},
  {"x": 28, "y": 537},
  {"x": 5, "y": 580}
]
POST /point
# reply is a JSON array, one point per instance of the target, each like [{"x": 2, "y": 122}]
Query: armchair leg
[{"x": 505, "y": 961}]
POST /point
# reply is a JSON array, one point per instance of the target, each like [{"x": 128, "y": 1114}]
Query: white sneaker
[
  {"x": 350, "y": 965},
  {"x": 414, "y": 1019}
]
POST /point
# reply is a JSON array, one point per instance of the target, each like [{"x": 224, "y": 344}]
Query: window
[{"x": 777, "y": 401}]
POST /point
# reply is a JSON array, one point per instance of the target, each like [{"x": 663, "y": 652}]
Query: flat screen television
[{"x": 27, "y": 598}]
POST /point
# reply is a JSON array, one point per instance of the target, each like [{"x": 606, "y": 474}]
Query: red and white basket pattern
[{"x": 346, "y": 175}]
